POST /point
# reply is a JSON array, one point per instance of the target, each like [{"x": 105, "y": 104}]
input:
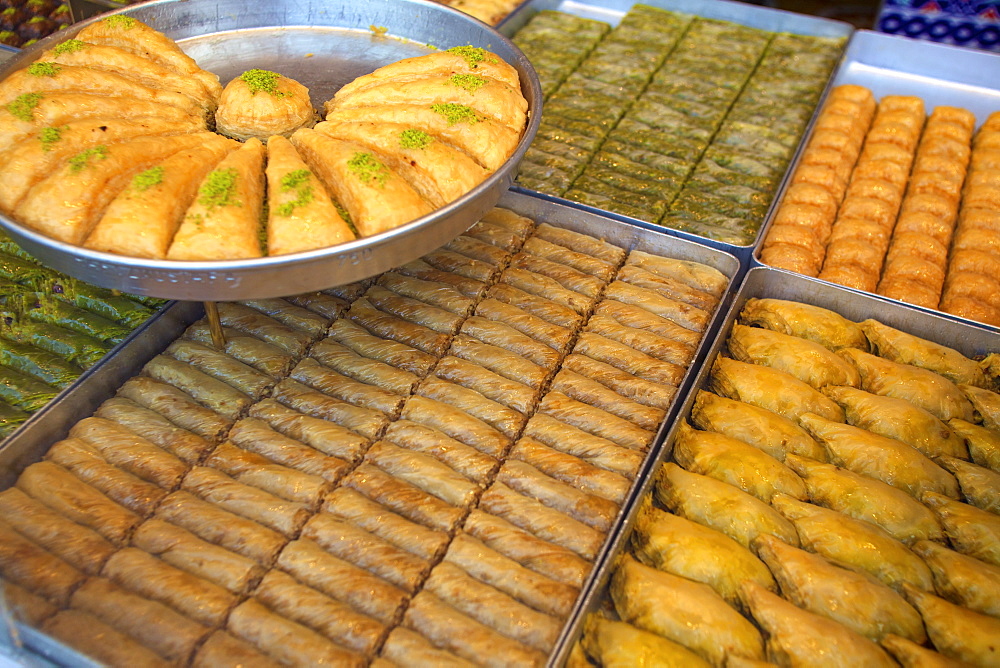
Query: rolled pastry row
[
  {"x": 860, "y": 236},
  {"x": 294, "y": 316},
  {"x": 267, "y": 328},
  {"x": 973, "y": 270},
  {"x": 918, "y": 253},
  {"x": 801, "y": 229},
  {"x": 332, "y": 383},
  {"x": 301, "y": 398}
]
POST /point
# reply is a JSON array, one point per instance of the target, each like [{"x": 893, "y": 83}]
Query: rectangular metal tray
[
  {"x": 970, "y": 340},
  {"x": 891, "y": 65},
  {"x": 53, "y": 422},
  {"x": 611, "y": 12}
]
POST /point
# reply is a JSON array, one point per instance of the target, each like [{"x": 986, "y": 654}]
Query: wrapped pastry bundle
[
  {"x": 973, "y": 277},
  {"x": 801, "y": 229},
  {"x": 860, "y": 235},
  {"x": 918, "y": 254}
]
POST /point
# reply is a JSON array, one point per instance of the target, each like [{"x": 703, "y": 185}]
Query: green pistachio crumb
[
  {"x": 43, "y": 69},
  {"x": 413, "y": 138},
  {"x": 456, "y": 113},
  {"x": 296, "y": 180},
  {"x": 368, "y": 168},
  {"x": 473, "y": 55},
  {"x": 119, "y": 21},
  {"x": 83, "y": 158},
  {"x": 145, "y": 180},
  {"x": 293, "y": 180},
  {"x": 69, "y": 46},
  {"x": 469, "y": 82},
  {"x": 49, "y": 136},
  {"x": 219, "y": 189},
  {"x": 265, "y": 81},
  {"x": 23, "y": 106}
]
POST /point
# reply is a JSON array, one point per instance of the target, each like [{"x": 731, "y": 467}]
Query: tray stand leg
[{"x": 215, "y": 325}]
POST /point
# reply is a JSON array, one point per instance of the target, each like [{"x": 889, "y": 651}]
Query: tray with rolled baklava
[
  {"x": 206, "y": 151},
  {"x": 828, "y": 494},
  {"x": 421, "y": 468}
]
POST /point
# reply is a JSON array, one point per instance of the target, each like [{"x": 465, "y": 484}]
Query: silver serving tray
[
  {"x": 891, "y": 65},
  {"x": 323, "y": 44},
  {"x": 970, "y": 340},
  {"x": 611, "y": 12},
  {"x": 30, "y": 442}
]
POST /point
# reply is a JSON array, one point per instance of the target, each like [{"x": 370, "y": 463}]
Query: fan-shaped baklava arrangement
[
  {"x": 419, "y": 469},
  {"x": 832, "y": 499},
  {"x": 106, "y": 142}
]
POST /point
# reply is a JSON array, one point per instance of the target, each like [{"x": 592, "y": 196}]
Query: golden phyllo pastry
[{"x": 259, "y": 103}]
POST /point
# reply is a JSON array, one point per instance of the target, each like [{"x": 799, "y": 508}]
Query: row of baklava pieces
[
  {"x": 556, "y": 43},
  {"x": 590, "y": 102},
  {"x": 251, "y": 445},
  {"x": 883, "y": 219},
  {"x": 720, "y": 460}
]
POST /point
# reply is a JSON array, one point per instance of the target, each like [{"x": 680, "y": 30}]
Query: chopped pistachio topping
[
  {"x": 473, "y": 55},
  {"x": 296, "y": 180},
  {"x": 293, "y": 180},
  {"x": 119, "y": 21},
  {"x": 265, "y": 81},
  {"x": 69, "y": 46},
  {"x": 43, "y": 69},
  {"x": 368, "y": 168},
  {"x": 83, "y": 158},
  {"x": 378, "y": 31},
  {"x": 23, "y": 106},
  {"x": 456, "y": 113},
  {"x": 413, "y": 138},
  {"x": 219, "y": 189},
  {"x": 145, "y": 180},
  {"x": 469, "y": 82},
  {"x": 49, "y": 136}
]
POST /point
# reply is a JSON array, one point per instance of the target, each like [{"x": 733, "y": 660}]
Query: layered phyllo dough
[
  {"x": 120, "y": 110},
  {"x": 418, "y": 468},
  {"x": 819, "y": 503}
]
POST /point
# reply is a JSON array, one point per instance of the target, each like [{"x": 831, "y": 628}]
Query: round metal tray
[{"x": 323, "y": 44}]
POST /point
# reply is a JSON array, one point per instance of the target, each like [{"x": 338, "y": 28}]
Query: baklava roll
[
  {"x": 434, "y": 293},
  {"x": 310, "y": 564},
  {"x": 456, "y": 423},
  {"x": 310, "y": 372},
  {"x": 186, "y": 445},
  {"x": 222, "y": 649},
  {"x": 328, "y": 306},
  {"x": 421, "y": 269},
  {"x": 220, "y": 527},
  {"x": 542, "y": 306},
  {"x": 445, "y": 259},
  {"x": 825, "y": 327},
  {"x": 530, "y": 325},
  {"x": 75, "y": 544},
  {"x": 447, "y": 627},
  {"x": 210, "y": 392},
  {"x": 61, "y": 491},
  {"x": 595, "y": 421},
  {"x": 223, "y": 366},
  {"x": 336, "y": 620},
  {"x": 26, "y": 564},
  {"x": 652, "y": 344},
  {"x": 370, "y": 346},
  {"x": 287, "y": 313},
  {"x": 638, "y": 317},
  {"x": 958, "y": 633},
  {"x": 256, "y": 435},
  {"x": 304, "y": 399},
  {"x": 961, "y": 579},
  {"x": 571, "y": 470},
  {"x": 863, "y": 498},
  {"x": 406, "y": 647},
  {"x": 980, "y": 486},
  {"x": 806, "y": 360},
  {"x": 460, "y": 457},
  {"x": 286, "y": 517},
  {"x": 130, "y": 452},
  {"x": 682, "y": 313},
  {"x": 553, "y": 280},
  {"x": 354, "y": 545},
  {"x": 261, "y": 355},
  {"x": 970, "y": 530},
  {"x": 149, "y": 577},
  {"x": 423, "y": 471},
  {"x": 404, "y": 498},
  {"x": 494, "y": 386},
  {"x": 388, "y": 325},
  {"x": 373, "y": 372},
  {"x": 594, "y": 511},
  {"x": 168, "y": 633},
  {"x": 668, "y": 287},
  {"x": 326, "y": 437},
  {"x": 547, "y": 523},
  {"x": 287, "y": 642},
  {"x": 623, "y": 383},
  {"x": 176, "y": 406},
  {"x": 85, "y": 463},
  {"x": 592, "y": 449},
  {"x": 251, "y": 469},
  {"x": 264, "y": 327},
  {"x": 184, "y": 550},
  {"x": 600, "y": 269},
  {"x": 353, "y": 507},
  {"x": 26, "y": 607},
  {"x": 500, "y": 361},
  {"x": 87, "y": 634},
  {"x": 510, "y": 338},
  {"x": 493, "y": 608},
  {"x": 858, "y": 544},
  {"x": 507, "y": 421},
  {"x": 628, "y": 359}
]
